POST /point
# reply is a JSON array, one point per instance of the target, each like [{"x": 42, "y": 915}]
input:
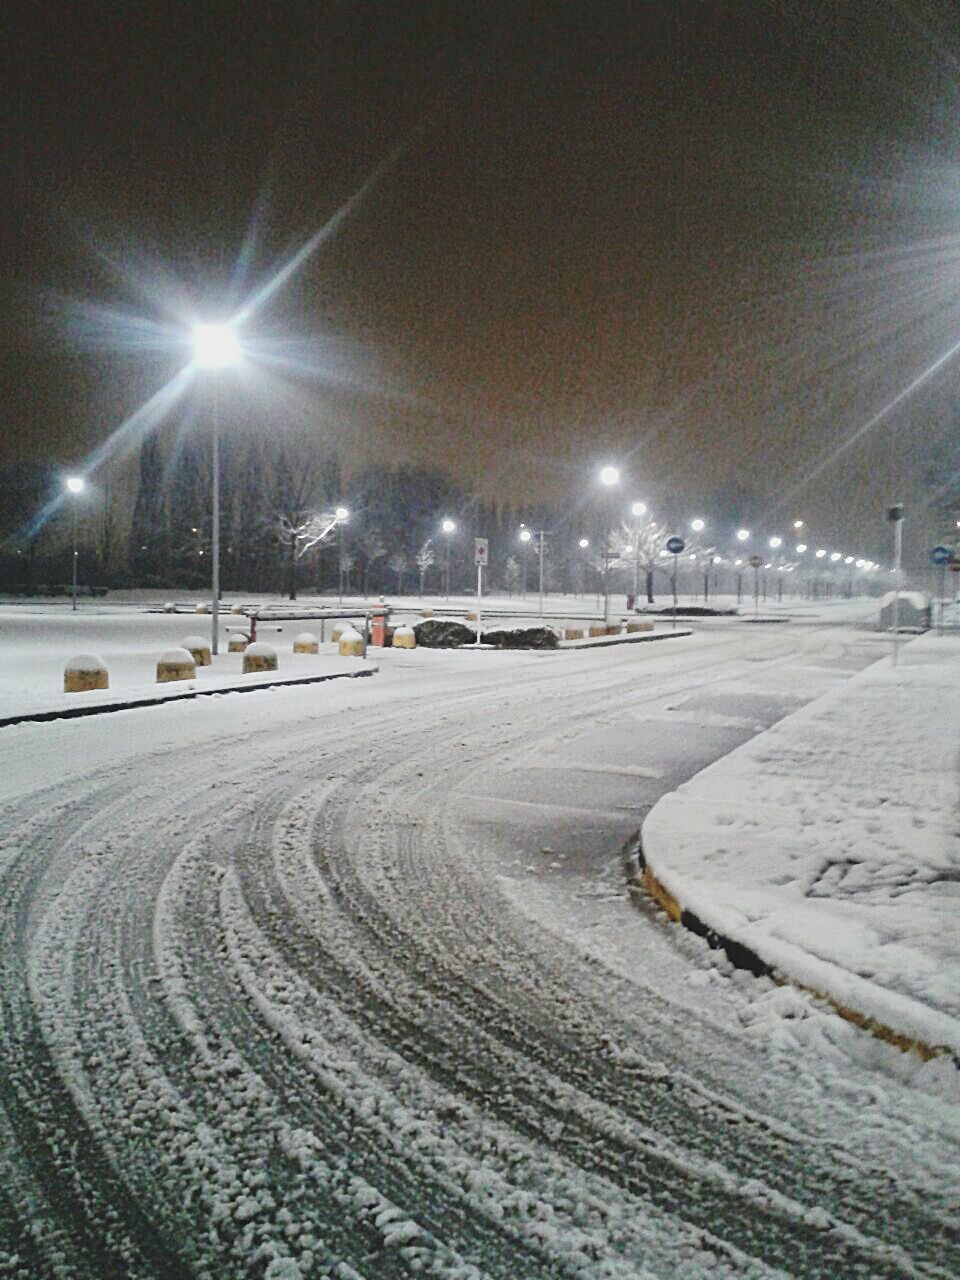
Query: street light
[
  {"x": 776, "y": 542},
  {"x": 698, "y": 525},
  {"x": 743, "y": 535},
  {"x": 215, "y": 346},
  {"x": 448, "y": 527},
  {"x": 609, "y": 476},
  {"x": 798, "y": 524},
  {"x": 801, "y": 548},
  {"x": 342, "y": 515},
  {"x": 75, "y": 486},
  {"x": 525, "y": 536}
]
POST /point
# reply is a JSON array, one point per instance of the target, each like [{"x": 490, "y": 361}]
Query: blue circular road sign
[
  {"x": 940, "y": 555},
  {"x": 675, "y": 545}
]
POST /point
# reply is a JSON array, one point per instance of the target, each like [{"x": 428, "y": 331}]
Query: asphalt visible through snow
[{"x": 346, "y": 982}]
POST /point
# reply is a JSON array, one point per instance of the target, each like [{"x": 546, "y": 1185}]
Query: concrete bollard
[
  {"x": 259, "y": 657},
  {"x": 613, "y": 628},
  {"x": 83, "y": 672},
  {"x": 306, "y": 642},
  {"x": 351, "y": 643},
  {"x": 426, "y": 613},
  {"x": 573, "y": 633},
  {"x": 176, "y": 664},
  {"x": 338, "y": 629},
  {"x": 237, "y": 644},
  {"x": 202, "y": 607},
  {"x": 199, "y": 649},
  {"x": 169, "y": 607},
  {"x": 236, "y": 608},
  {"x": 633, "y": 627},
  {"x": 404, "y": 638},
  {"x": 597, "y": 631}
]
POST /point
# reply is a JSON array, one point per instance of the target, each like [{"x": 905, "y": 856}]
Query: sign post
[
  {"x": 941, "y": 557},
  {"x": 675, "y": 545},
  {"x": 481, "y": 556},
  {"x": 954, "y": 566},
  {"x": 755, "y": 563}
]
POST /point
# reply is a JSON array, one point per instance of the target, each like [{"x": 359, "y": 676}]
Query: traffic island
[{"x": 824, "y": 851}]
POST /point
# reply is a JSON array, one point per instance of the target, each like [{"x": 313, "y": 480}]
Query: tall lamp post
[
  {"x": 609, "y": 476},
  {"x": 215, "y": 346},
  {"x": 448, "y": 527},
  {"x": 74, "y": 487},
  {"x": 638, "y": 510},
  {"x": 526, "y": 535},
  {"x": 342, "y": 515}
]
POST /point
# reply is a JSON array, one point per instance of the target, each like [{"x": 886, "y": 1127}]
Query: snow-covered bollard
[
  {"x": 85, "y": 671},
  {"x": 198, "y": 648},
  {"x": 236, "y": 608},
  {"x": 351, "y": 643},
  {"x": 202, "y": 607},
  {"x": 176, "y": 664},
  {"x": 404, "y": 638},
  {"x": 169, "y": 607},
  {"x": 259, "y": 657},
  {"x": 573, "y": 633},
  {"x": 338, "y": 630},
  {"x": 237, "y": 644},
  {"x": 633, "y": 627},
  {"x": 306, "y": 642},
  {"x": 597, "y": 631}
]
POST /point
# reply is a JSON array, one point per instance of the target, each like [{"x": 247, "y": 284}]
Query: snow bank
[{"x": 829, "y": 844}]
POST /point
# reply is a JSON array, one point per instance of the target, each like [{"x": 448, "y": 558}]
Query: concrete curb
[
  {"x": 646, "y": 886},
  {"x": 106, "y": 708}
]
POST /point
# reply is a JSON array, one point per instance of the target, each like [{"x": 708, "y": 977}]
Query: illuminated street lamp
[
  {"x": 776, "y": 542},
  {"x": 448, "y": 527},
  {"x": 801, "y": 548},
  {"x": 342, "y": 515},
  {"x": 526, "y": 535},
  {"x": 798, "y": 524},
  {"x": 820, "y": 553},
  {"x": 835, "y": 556},
  {"x": 215, "y": 347},
  {"x": 74, "y": 486},
  {"x": 743, "y": 535},
  {"x": 609, "y": 476},
  {"x": 698, "y": 525}
]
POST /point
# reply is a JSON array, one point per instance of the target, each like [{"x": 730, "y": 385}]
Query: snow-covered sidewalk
[{"x": 830, "y": 847}]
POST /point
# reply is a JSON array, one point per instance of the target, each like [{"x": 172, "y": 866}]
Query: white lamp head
[
  {"x": 639, "y": 509},
  {"x": 743, "y": 535},
  {"x": 215, "y": 346},
  {"x": 697, "y": 525},
  {"x": 448, "y": 525},
  {"x": 75, "y": 484},
  {"x": 609, "y": 475},
  {"x": 342, "y": 514}
]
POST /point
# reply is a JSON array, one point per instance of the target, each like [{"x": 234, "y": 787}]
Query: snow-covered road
[{"x": 345, "y": 981}]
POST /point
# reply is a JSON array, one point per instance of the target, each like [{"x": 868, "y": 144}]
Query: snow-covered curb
[
  {"x": 133, "y": 701},
  {"x": 828, "y": 846}
]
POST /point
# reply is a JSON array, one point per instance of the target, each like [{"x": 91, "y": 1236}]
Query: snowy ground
[
  {"x": 830, "y": 845},
  {"x": 345, "y": 981}
]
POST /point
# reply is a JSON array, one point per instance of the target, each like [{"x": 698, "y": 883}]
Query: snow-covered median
[{"x": 830, "y": 845}]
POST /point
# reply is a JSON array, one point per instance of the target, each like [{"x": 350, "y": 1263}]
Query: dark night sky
[{"x": 709, "y": 241}]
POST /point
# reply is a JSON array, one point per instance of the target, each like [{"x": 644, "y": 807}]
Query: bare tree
[
  {"x": 373, "y": 548},
  {"x": 639, "y": 546},
  {"x": 426, "y": 557},
  {"x": 398, "y": 564}
]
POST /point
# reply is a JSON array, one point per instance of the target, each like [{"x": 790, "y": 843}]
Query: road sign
[
  {"x": 675, "y": 545},
  {"x": 481, "y": 551},
  {"x": 940, "y": 555},
  {"x": 756, "y": 561}
]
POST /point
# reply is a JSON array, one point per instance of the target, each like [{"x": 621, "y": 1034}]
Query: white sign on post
[
  {"x": 481, "y": 556},
  {"x": 481, "y": 551}
]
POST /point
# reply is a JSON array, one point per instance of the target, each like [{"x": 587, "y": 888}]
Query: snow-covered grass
[{"x": 829, "y": 845}]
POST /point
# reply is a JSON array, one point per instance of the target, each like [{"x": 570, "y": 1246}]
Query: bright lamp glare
[
  {"x": 75, "y": 484},
  {"x": 820, "y": 553},
  {"x": 801, "y": 548},
  {"x": 584, "y": 543},
  {"x": 697, "y": 525},
  {"x": 525, "y": 535},
  {"x": 743, "y": 535},
  {"x": 215, "y": 346},
  {"x": 448, "y": 525},
  {"x": 609, "y": 475},
  {"x": 342, "y": 514},
  {"x": 776, "y": 542},
  {"x": 639, "y": 508},
  {"x": 835, "y": 556}
]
